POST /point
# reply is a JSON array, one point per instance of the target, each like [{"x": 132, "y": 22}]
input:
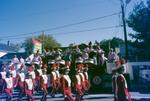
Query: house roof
[
  {"x": 6, "y": 48},
  {"x": 2, "y": 54},
  {"x": 11, "y": 55}
]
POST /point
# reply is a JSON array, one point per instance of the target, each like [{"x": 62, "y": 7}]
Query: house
[{"x": 7, "y": 53}]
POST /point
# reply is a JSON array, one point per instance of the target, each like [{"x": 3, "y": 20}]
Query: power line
[
  {"x": 78, "y": 31},
  {"x": 67, "y": 25},
  {"x": 87, "y": 30}
]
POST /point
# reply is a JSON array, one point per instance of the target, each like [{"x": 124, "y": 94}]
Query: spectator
[{"x": 112, "y": 56}]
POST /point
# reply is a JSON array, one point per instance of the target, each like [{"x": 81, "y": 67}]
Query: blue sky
[{"x": 25, "y": 16}]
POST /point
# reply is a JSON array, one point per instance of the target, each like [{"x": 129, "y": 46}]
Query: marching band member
[
  {"x": 60, "y": 65},
  {"x": 122, "y": 88},
  {"x": 66, "y": 86},
  {"x": 53, "y": 80},
  {"x": 38, "y": 76},
  {"x": 32, "y": 73},
  {"x": 29, "y": 87},
  {"x": 82, "y": 78},
  {"x": 78, "y": 86},
  {"x": 20, "y": 82},
  {"x": 123, "y": 63},
  {"x": 85, "y": 73},
  {"x": 44, "y": 82},
  {"x": 2, "y": 78},
  {"x": 14, "y": 74},
  {"x": 114, "y": 84},
  {"x": 8, "y": 86},
  {"x": 57, "y": 76}
]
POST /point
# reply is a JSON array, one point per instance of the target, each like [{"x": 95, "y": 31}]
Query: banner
[{"x": 37, "y": 45}]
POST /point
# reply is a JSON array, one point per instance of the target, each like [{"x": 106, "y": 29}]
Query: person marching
[
  {"x": 122, "y": 88},
  {"x": 20, "y": 82},
  {"x": 32, "y": 73},
  {"x": 87, "y": 83},
  {"x": 13, "y": 72},
  {"x": 53, "y": 80},
  {"x": 8, "y": 86},
  {"x": 29, "y": 87},
  {"x": 78, "y": 86},
  {"x": 82, "y": 79},
  {"x": 66, "y": 86},
  {"x": 44, "y": 84},
  {"x": 38, "y": 76},
  {"x": 57, "y": 76},
  {"x": 114, "y": 83},
  {"x": 2, "y": 78}
]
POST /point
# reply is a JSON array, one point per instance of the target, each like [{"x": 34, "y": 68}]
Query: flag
[
  {"x": 128, "y": 1},
  {"x": 35, "y": 41}
]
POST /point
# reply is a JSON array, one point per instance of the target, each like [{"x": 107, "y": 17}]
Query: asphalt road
[{"x": 136, "y": 96}]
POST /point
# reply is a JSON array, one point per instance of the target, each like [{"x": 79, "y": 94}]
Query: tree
[
  {"x": 47, "y": 41},
  {"x": 139, "y": 21},
  {"x": 28, "y": 46},
  {"x": 111, "y": 43}
]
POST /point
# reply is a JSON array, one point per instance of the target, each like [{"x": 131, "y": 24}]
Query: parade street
[
  {"x": 136, "y": 96},
  {"x": 74, "y": 50}
]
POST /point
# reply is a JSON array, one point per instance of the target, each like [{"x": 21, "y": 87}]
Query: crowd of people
[{"x": 30, "y": 75}]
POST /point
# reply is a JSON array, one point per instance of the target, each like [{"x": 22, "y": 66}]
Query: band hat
[
  {"x": 89, "y": 61},
  {"x": 61, "y": 62},
  {"x": 51, "y": 62},
  {"x": 28, "y": 63},
  {"x": 79, "y": 61},
  {"x": 60, "y": 50}
]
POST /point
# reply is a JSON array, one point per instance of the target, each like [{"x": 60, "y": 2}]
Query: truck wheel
[{"x": 96, "y": 80}]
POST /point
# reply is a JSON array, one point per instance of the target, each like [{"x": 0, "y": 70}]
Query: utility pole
[{"x": 125, "y": 30}]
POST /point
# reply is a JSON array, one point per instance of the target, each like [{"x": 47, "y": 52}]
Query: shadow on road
[{"x": 141, "y": 99}]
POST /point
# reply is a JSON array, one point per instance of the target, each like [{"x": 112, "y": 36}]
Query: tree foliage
[
  {"x": 27, "y": 45},
  {"x": 139, "y": 21},
  {"x": 111, "y": 43},
  {"x": 47, "y": 41}
]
